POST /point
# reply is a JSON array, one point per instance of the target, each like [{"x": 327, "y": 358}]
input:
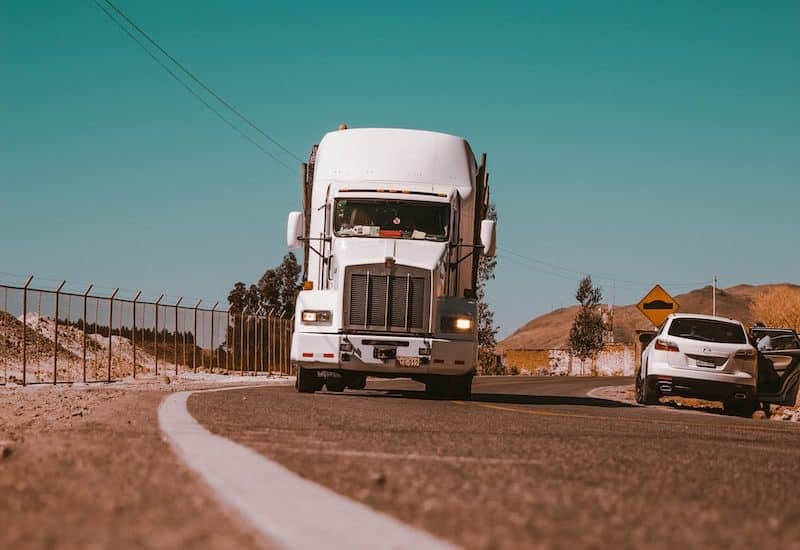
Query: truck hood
[{"x": 416, "y": 253}]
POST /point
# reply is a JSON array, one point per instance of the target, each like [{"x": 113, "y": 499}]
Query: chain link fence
[{"x": 61, "y": 334}]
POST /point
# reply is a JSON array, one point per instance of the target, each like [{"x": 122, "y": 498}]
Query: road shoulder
[
  {"x": 280, "y": 504},
  {"x": 86, "y": 467}
]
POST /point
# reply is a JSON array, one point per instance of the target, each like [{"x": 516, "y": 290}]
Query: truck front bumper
[{"x": 396, "y": 355}]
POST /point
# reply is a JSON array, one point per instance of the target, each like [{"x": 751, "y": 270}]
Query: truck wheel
[
  {"x": 435, "y": 387},
  {"x": 357, "y": 381},
  {"x": 450, "y": 387},
  {"x": 307, "y": 381},
  {"x": 335, "y": 384},
  {"x": 461, "y": 387}
]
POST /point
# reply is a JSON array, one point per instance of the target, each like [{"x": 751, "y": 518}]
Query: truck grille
[{"x": 379, "y": 302}]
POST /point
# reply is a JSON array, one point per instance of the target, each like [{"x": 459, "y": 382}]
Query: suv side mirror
[
  {"x": 295, "y": 227},
  {"x": 488, "y": 237}
]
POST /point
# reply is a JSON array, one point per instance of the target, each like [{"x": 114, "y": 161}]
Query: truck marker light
[
  {"x": 308, "y": 285},
  {"x": 327, "y": 355},
  {"x": 438, "y": 361},
  {"x": 458, "y": 362},
  {"x": 306, "y": 354}
]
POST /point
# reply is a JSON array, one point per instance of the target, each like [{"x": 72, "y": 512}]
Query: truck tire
[
  {"x": 434, "y": 387},
  {"x": 461, "y": 387},
  {"x": 307, "y": 381},
  {"x": 449, "y": 387},
  {"x": 357, "y": 381},
  {"x": 335, "y": 384}
]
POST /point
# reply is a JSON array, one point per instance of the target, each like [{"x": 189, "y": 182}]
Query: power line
[
  {"x": 192, "y": 91},
  {"x": 201, "y": 83},
  {"x": 584, "y": 273}
]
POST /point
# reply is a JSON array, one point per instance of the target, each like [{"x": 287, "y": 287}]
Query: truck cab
[{"x": 392, "y": 228}]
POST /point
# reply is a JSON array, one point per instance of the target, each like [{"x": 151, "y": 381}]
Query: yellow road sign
[{"x": 657, "y": 305}]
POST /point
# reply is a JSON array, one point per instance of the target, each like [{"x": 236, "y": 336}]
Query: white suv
[{"x": 700, "y": 356}]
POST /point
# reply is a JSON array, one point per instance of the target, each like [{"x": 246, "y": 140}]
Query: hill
[{"x": 550, "y": 331}]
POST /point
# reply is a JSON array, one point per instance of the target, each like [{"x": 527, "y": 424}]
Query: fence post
[
  {"x": 5, "y": 356},
  {"x": 55, "y": 335},
  {"x": 227, "y": 339},
  {"x": 85, "y": 327},
  {"x": 25, "y": 330},
  {"x": 241, "y": 341},
  {"x": 110, "y": 330},
  {"x": 155, "y": 332},
  {"x": 213, "y": 351},
  {"x": 133, "y": 331},
  {"x": 194, "y": 337},
  {"x": 282, "y": 338},
  {"x": 290, "y": 332},
  {"x": 255, "y": 342},
  {"x": 270, "y": 343},
  {"x": 177, "y": 304}
]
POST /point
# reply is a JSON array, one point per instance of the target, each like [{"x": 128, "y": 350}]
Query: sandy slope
[{"x": 550, "y": 331}]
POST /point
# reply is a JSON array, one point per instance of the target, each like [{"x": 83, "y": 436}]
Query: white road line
[{"x": 289, "y": 510}]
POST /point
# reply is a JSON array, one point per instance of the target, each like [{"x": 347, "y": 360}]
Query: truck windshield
[{"x": 397, "y": 219}]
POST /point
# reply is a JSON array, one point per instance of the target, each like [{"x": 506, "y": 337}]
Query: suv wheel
[
  {"x": 645, "y": 395},
  {"x": 743, "y": 407}
]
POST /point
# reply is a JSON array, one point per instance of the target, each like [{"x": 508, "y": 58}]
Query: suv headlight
[{"x": 315, "y": 317}]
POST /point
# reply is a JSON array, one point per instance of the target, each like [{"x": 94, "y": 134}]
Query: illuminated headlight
[
  {"x": 456, "y": 324},
  {"x": 312, "y": 317},
  {"x": 463, "y": 323}
]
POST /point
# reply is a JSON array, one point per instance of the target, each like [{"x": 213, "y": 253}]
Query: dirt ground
[
  {"x": 626, "y": 394},
  {"x": 86, "y": 467}
]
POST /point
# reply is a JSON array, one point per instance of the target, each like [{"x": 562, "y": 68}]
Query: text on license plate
[{"x": 408, "y": 361}]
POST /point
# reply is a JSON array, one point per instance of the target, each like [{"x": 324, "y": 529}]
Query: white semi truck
[{"x": 392, "y": 228}]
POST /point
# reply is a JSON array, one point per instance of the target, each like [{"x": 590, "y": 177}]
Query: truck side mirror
[
  {"x": 488, "y": 237},
  {"x": 295, "y": 228}
]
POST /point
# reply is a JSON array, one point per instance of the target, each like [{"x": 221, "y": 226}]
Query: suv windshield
[
  {"x": 708, "y": 330},
  {"x": 396, "y": 219}
]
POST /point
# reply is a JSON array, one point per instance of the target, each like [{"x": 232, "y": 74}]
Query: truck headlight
[
  {"x": 463, "y": 323},
  {"x": 315, "y": 317},
  {"x": 456, "y": 324}
]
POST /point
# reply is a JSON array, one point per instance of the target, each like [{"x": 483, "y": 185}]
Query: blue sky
[{"x": 641, "y": 142}]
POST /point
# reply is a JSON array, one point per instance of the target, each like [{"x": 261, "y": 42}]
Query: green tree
[
  {"x": 275, "y": 290},
  {"x": 588, "y": 328},
  {"x": 487, "y": 330}
]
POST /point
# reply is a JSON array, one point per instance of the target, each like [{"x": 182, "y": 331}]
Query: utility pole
[{"x": 714, "y": 298}]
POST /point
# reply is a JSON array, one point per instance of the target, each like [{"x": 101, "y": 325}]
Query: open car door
[{"x": 778, "y": 366}]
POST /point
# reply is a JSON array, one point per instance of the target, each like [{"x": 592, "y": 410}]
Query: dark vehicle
[{"x": 778, "y": 364}]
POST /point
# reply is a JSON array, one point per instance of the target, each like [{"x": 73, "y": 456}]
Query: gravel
[{"x": 85, "y": 466}]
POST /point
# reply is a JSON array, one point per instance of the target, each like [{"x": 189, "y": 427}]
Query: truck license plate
[{"x": 408, "y": 361}]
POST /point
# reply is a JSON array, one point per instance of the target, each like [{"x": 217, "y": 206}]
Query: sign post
[{"x": 657, "y": 305}]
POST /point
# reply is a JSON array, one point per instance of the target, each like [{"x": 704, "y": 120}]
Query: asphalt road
[{"x": 531, "y": 462}]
